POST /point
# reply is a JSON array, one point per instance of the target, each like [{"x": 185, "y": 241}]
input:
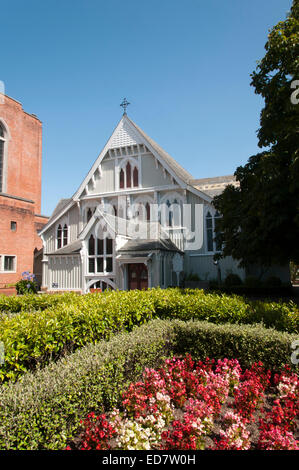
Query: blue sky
[{"x": 183, "y": 64}]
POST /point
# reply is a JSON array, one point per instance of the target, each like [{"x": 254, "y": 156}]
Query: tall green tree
[{"x": 260, "y": 222}]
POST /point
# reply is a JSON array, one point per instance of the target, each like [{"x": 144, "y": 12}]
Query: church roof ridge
[{"x": 174, "y": 165}]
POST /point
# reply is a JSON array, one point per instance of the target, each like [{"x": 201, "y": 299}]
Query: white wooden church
[{"x": 138, "y": 220}]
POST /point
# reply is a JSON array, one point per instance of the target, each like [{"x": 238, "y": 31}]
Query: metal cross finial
[{"x": 124, "y": 105}]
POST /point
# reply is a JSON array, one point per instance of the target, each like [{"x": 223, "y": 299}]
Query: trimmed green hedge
[
  {"x": 66, "y": 322},
  {"x": 33, "y": 339},
  {"x": 43, "y": 411},
  {"x": 32, "y": 302},
  {"x": 222, "y": 308}
]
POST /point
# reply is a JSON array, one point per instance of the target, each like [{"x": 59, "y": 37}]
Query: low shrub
[
  {"x": 43, "y": 411},
  {"x": 246, "y": 343},
  {"x": 27, "y": 285},
  {"x": 32, "y": 339},
  {"x": 32, "y": 302}
]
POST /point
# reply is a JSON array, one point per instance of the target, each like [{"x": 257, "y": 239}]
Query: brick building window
[
  {"x": 8, "y": 263},
  {"x": 13, "y": 226},
  {"x": 2, "y": 144}
]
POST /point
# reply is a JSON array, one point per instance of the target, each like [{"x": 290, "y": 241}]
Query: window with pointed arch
[
  {"x": 62, "y": 235},
  {"x": 135, "y": 177},
  {"x": 100, "y": 255},
  {"x": 148, "y": 211},
  {"x": 142, "y": 211},
  {"x": 89, "y": 211},
  {"x": 88, "y": 214},
  {"x": 129, "y": 176},
  {"x": 173, "y": 213},
  {"x": 2, "y": 147},
  {"x": 121, "y": 179},
  {"x": 102, "y": 285}
]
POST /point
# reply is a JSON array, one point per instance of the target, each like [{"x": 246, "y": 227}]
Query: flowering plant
[{"x": 27, "y": 285}]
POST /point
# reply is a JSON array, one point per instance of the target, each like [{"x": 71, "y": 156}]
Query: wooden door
[{"x": 138, "y": 276}]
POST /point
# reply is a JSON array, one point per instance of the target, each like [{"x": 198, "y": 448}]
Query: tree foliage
[{"x": 260, "y": 222}]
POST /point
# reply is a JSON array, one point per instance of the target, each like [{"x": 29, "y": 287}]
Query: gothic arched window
[
  {"x": 91, "y": 246},
  {"x": 89, "y": 214},
  {"x": 170, "y": 214},
  {"x": 135, "y": 177},
  {"x": 100, "y": 255},
  {"x": 148, "y": 211},
  {"x": 59, "y": 236},
  {"x": 65, "y": 235},
  {"x": 121, "y": 179},
  {"x": 128, "y": 174}
]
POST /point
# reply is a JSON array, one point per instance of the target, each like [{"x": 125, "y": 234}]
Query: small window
[
  {"x": 100, "y": 264},
  {"x": 109, "y": 265},
  {"x": 100, "y": 255},
  {"x": 59, "y": 236},
  {"x": 148, "y": 211},
  {"x": 65, "y": 232},
  {"x": 135, "y": 177},
  {"x": 109, "y": 246},
  {"x": 121, "y": 179},
  {"x": 13, "y": 226},
  {"x": 91, "y": 265},
  {"x": 100, "y": 246},
  {"x": 9, "y": 263},
  {"x": 91, "y": 246},
  {"x": 128, "y": 174},
  {"x": 89, "y": 214},
  {"x": 62, "y": 236}
]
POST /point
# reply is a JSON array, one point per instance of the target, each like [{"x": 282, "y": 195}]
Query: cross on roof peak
[{"x": 124, "y": 105}]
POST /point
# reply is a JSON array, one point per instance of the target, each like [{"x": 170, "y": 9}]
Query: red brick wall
[
  {"x": 23, "y": 180},
  {"x": 24, "y": 152}
]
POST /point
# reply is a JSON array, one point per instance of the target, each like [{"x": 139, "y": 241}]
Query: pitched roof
[
  {"x": 60, "y": 206},
  {"x": 148, "y": 245},
  {"x": 174, "y": 165},
  {"x": 71, "y": 248},
  {"x": 215, "y": 185},
  {"x": 128, "y": 133}
]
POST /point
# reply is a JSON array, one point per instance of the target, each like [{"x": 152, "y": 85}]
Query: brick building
[{"x": 20, "y": 192}]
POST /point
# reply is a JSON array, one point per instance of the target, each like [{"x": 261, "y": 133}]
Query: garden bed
[
  {"x": 43, "y": 410},
  {"x": 211, "y": 405}
]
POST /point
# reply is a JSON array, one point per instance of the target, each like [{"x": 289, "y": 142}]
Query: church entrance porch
[{"x": 137, "y": 276}]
